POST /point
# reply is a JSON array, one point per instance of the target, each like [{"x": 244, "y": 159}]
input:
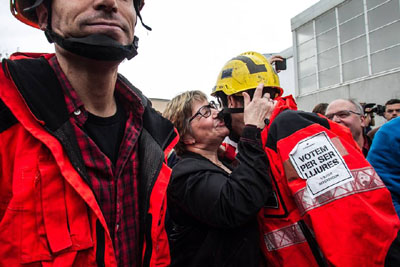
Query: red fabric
[
  {"x": 348, "y": 222},
  {"x": 229, "y": 151},
  {"x": 115, "y": 187},
  {"x": 32, "y": 164},
  {"x": 27, "y": 222},
  {"x": 282, "y": 104}
]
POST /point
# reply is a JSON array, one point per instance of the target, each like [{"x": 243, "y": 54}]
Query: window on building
[{"x": 354, "y": 40}]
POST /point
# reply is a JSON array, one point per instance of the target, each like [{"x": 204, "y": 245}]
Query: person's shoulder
[
  {"x": 392, "y": 126},
  {"x": 191, "y": 163},
  {"x": 393, "y": 123},
  {"x": 289, "y": 121},
  {"x": 298, "y": 116},
  {"x": 133, "y": 88},
  {"x": 371, "y": 134},
  {"x": 189, "y": 158},
  {"x": 184, "y": 168}
]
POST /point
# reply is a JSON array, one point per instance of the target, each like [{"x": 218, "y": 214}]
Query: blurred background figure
[
  {"x": 384, "y": 156},
  {"x": 369, "y": 116},
  {"x": 350, "y": 113},
  {"x": 278, "y": 62},
  {"x": 320, "y": 108},
  {"x": 390, "y": 111}
]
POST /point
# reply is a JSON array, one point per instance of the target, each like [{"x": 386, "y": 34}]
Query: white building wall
[
  {"x": 286, "y": 77},
  {"x": 347, "y": 49}
]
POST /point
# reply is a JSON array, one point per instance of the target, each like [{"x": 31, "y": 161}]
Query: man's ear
[
  {"x": 385, "y": 115},
  {"x": 233, "y": 102},
  {"x": 42, "y": 14},
  {"x": 362, "y": 118}
]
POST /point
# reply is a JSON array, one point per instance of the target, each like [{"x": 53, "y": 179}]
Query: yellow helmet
[{"x": 245, "y": 72}]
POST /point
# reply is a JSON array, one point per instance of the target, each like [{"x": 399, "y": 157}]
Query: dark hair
[
  {"x": 222, "y": 98},
  {"x": 320, "y": 108},
  {"x": 392, "y": 101}
]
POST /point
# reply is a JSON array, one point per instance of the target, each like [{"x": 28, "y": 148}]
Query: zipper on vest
[{"x": 316, "y": 251}]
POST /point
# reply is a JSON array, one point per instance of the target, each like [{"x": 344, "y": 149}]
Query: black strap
[
  {"x": 41, "y": 90},
  {"x": 39, "y": 86},
  {"x": 100, "y": 249},
  {"x": 232, "y": 110},
  {"x": 313, "y": 244},
  {"x": 393, "y": 254},
  {"x": 289, "y": 122},
  {"x": 7, "y": 119}
]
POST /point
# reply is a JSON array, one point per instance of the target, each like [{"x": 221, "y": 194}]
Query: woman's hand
[{"x": 259, "y": 108}]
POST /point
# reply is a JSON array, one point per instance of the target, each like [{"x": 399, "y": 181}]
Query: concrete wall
[
  {"x": 286, "y": 77},
  {"x": 372, "y": 90},
  {"x": 377, "y": 89}
]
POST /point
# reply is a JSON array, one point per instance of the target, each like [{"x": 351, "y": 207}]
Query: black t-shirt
[{"x": 107, "y": 132}]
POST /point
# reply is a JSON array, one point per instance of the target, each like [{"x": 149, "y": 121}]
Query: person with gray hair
[{"x": 349, "y": 113}]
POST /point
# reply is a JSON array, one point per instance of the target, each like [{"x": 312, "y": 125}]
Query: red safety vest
[
  {"x": 48, "y": 213},
  {"x": 329, "y": 206}
]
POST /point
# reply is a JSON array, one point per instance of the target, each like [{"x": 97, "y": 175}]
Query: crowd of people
[{"x": 92, "y": 175}]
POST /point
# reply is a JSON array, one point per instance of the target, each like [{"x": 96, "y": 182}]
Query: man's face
[
  {"x": 79, "y": 18},
  {"x": 392, "y": 111},
  {"x": 345, "y": 114}
]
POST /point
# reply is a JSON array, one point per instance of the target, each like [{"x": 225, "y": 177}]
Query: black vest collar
[{"x": 39, "y": 86}]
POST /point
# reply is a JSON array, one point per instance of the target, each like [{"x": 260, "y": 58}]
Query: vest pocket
[
  {"x": 55, "y": 220},
  {"x": 34, "y": 246},
  {"x": 44, "y": 220},
  {"x": 53, "y": 207}
]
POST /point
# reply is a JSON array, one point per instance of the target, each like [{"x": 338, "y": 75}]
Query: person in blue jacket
[{"x": 384, "y": 156}]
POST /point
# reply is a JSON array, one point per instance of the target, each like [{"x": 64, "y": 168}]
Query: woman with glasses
[{"x": 213, "y": 205}]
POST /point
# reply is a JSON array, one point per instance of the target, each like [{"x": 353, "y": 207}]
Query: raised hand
[{"x": 259, "y": 108}]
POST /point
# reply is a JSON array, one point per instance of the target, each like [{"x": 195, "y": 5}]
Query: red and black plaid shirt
[{"x": 115, "y": 187}]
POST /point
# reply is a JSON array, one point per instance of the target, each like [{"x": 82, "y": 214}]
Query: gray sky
[{"x": 190, "y": 41}]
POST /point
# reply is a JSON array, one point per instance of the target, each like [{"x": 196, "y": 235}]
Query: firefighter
[
  {"x": 83, "y": 176},
  {"x": 328, "y": 207}
]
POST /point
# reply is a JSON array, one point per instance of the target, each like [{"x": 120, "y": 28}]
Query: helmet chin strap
[
  {"x": 225, "y": 115},
  {"x": 95, "y": 46}
]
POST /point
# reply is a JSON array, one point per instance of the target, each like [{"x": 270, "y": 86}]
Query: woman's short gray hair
[{"x": 179, "y": 111}]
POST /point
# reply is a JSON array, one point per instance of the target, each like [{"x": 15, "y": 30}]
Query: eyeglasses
[
  {"x": 342, "y": 114},
  {"x": 204, "y": 111}
]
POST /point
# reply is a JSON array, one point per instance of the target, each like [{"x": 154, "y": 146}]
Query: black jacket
[{"x": 213, "y": 213}]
